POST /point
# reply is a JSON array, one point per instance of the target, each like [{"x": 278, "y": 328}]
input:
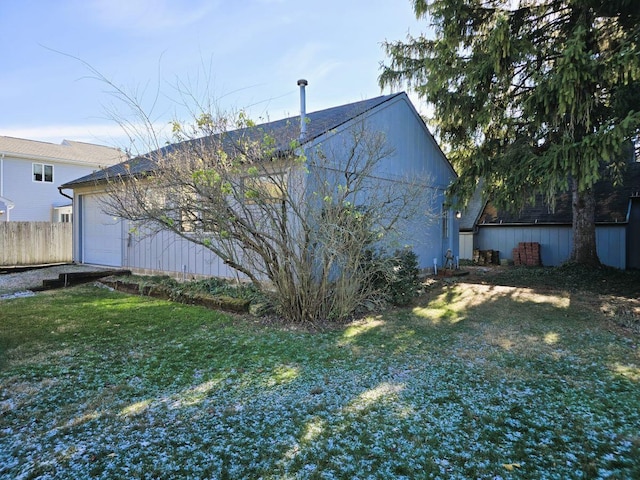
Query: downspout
[
  {"x": 303, "y": 109},
  {"x": 64, "y": 194},
  {"x": 73, "y": 227},
  {"x": 2, "y": 175},
  {"x": 10, "y": 204}
]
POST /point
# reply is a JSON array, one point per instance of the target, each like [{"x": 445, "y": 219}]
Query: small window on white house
[
  {"x": 63, "y": 214},
  {"x": 42, "y": 173}
]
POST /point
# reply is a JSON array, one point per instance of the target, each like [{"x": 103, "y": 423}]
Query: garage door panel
[{"x": 101, "y": 234}]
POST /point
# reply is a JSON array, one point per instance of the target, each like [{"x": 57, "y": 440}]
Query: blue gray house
[{"x": 103, "y": 239}]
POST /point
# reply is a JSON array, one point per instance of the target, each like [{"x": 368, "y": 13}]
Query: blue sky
[{"x": 244, "y": 53}]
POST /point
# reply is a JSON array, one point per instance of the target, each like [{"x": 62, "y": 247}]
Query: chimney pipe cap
[{"x": 302, "y": 82}]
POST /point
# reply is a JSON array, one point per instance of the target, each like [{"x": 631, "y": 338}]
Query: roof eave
[{"x": 545, "y": 224}]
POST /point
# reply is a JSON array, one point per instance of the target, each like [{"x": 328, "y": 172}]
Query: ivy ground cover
[{"x": 475, "y": 381}]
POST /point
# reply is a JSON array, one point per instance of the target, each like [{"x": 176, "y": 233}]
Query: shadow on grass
[
  {"x": 570, "y": 278},
  {"x": 615, "y": 293},
  {"x": 482, "y": 323},
  {"x": 473, "y": 378}
]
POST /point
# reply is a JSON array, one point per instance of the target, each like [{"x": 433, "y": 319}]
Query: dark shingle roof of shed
[
  {"x": 318, "y": 123},
  {"x": 612, "y": 204}
]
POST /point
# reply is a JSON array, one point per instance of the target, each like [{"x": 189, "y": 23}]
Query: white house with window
[{"x": 31, "y": 171}]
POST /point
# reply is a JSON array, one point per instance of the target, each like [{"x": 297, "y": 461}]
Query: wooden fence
[{"x": 35, "y": 243}]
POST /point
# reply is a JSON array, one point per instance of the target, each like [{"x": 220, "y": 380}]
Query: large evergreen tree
[{"x": 533, "y": 96}]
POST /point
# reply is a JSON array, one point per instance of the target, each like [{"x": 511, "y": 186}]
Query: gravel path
[{"x": 27, "y": 280}]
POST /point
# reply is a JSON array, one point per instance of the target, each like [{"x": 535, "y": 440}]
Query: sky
[{"x": 237, "y": 54}]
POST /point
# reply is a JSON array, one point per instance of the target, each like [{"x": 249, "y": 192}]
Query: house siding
[
  {"x": 611, "y": 244},
  {"x": 415, "y": 153},
  {"x": 555, "y": 242},
  {"x": 34, "y": 201},
  {"x": 633, "y": 234},
  {"x": 168, "y": 253}
]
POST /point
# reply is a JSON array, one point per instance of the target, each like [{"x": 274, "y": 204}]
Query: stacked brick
[{"x": 527, "y": 253}]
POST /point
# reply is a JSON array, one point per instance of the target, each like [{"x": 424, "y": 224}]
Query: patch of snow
[{"x": 25, "y": 293}]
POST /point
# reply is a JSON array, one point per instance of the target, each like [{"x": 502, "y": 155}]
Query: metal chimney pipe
[{"x": 303, "y": 108}]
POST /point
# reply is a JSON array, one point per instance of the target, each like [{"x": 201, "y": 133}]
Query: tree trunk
[{"x": 584, "y": 226}]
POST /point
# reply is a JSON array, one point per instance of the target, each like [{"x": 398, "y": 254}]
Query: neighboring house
[
  {"x": 617, "y": 225},
  {"x": 31, "y": 171},
  {"x": 105, "y": 240}
]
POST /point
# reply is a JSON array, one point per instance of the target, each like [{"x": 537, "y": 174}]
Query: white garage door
[{"x": 101, "y": 234}]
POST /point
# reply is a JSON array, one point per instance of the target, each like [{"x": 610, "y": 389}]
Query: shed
[{"x": 617, "y": 225}]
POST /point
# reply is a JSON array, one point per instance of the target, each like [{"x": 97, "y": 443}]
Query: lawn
[{"x": 478, "y": 380}]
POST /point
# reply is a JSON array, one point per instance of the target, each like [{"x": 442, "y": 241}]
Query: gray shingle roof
[
  {"x": 68, "y": 151},
  {"x": 284, "y": 130}
]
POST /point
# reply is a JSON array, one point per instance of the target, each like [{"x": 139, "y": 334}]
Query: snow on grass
[{"x": 166, "y": 391}]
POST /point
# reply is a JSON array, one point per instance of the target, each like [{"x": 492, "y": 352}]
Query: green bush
[
  {"x": 394, "y": 276},
  {"x": 218, "y": 286},
  {"x": 212, "y": 292},
  {"x": 404, "y": 284}
]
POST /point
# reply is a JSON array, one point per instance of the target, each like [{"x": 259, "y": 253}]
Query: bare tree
[{"x": 299, "y": 224}]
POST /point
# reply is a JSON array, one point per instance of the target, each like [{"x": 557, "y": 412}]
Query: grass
[
  {"x": 573, "y": 278},
  {"x": 478, "y": 380}
]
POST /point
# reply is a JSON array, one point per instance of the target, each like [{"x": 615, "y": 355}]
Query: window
[
  {"x": 445, "y": 222},
  {"x": 42, "y": 173},
  {"x": 192, "y": 221},
  {"x": 264, "y": 188},
  {"x": 63, "y": 214}
]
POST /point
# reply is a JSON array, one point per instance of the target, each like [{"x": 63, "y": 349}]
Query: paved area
[{"x": 29, "y": 279}]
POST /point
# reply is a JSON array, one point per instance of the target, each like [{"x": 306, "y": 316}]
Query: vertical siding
[
  {"x": 633, "y": 234},
  {"x": 555, "y": 242},
  {"x": 35, "y": 243},
  {"x": 415, "y": 155},
  {"x": 611, "y": 243},
  {"x": 166, "y": 252}
]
